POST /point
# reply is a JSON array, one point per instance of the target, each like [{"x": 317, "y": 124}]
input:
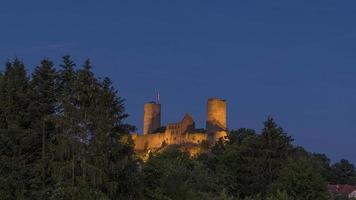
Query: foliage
[
  {"x": 343, "y": 173},
  {"x": 171, "y": 174},
  {"x": 253, "y": 162},
  {"x": 280, "y": 195},
  {"x": 300, "y": 181},
  {"x": 63, "y": 136}
]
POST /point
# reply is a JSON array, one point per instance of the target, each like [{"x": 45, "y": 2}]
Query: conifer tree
[
  {"x": 276, "y": 146},
  {"x": 43, "y": 104},
  {"x": 111, "y": 135},
  {"x": 66, "y": 144},
  {"x": 92, "y": 153},
  {"x": 2, "y": 100},
  {"x": 18, "y": 143},
  {"x": 67, "y": 74},
  {"x": 43, "y": 84},
  {"x": 15, "y": 100}
]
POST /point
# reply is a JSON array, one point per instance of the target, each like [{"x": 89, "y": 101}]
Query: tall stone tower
[
  {"x": 216, "y": 119},
  {"x": 151, "y": 117}
]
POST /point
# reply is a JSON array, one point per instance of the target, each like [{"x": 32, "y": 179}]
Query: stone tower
[
  {"x": 216, "y": 119},
  {"x": 151, "y": 117}
]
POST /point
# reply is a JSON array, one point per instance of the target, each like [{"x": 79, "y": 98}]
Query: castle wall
[
  {"x": 154, "y": 141},
  {"x": 196, "y": 138},
  {"x": 151, "y": 117},
  {"x": 149, "y": 141}
]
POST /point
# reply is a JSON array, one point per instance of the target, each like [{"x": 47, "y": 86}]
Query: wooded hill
[{"x": 63, "y": 136}]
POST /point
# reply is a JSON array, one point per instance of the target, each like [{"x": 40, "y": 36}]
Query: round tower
[
  {"x": 216, "y": 119},
  {"x": 151, "y": 117}
]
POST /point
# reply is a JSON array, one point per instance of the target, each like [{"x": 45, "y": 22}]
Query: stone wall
[{"x": 155, "y": 141}]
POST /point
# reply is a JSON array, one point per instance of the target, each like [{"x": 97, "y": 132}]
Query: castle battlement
[{"x": 184, "y": 132}]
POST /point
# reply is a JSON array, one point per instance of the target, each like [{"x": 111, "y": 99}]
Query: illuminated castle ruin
[{"x": 181, "y": 133}]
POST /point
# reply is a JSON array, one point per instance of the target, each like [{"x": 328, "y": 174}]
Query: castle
[{"x": 181, "y": 133}]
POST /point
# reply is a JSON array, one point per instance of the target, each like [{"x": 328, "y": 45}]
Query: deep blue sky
[{"x": 295, "y": 61}]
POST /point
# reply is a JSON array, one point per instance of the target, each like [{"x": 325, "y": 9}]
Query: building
[
  {"x": 352, "y": 195},
  {"x": 181, "y": 133},
  {"x": 343, "y": 191}
]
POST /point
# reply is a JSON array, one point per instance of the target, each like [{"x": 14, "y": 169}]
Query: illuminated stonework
[{"x": 183, "y": 132}]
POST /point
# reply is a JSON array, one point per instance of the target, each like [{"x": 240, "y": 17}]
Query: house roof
[{"x": 341, "y": 189}]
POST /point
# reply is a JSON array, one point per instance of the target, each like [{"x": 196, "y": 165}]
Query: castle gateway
[{"x": 181, "y": 133}]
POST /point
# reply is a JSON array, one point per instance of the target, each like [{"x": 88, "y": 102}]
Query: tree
[
  {"x": 2, "y": 100},
  {"x": 300, "y": 181},
  {"x": 237, "y": 136},
  {"x": 15, "y": 101},
  {"x": 44, "y": 88},
  {"x": 319, "y": 162},
  {"x": 19, "y": 145},
  {"x": 343, "y": 173},
  {"x": 92, "y": 151},
  {"x": 249, "y": 162},
  {"x": 172, "y": 174},
  {"x": 280, "y": 195},
  {"x": 277, "y": 146},
  {"x": 66, "y": 144},
  {"x": 42, "y": 109}
]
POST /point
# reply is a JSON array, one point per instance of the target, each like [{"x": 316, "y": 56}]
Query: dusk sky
[{"x": 295, "y": 61}]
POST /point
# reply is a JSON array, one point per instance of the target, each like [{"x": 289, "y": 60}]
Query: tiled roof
[{"x": 341, "y": 189}]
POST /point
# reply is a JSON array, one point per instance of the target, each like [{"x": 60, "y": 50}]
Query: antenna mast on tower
[{"x": 157, "y": 97}]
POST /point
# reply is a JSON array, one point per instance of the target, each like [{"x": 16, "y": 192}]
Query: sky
[{"x": 292, "y": 60}]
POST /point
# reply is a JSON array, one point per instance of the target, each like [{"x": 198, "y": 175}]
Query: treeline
[
  {"x": 63, "y": 136},
  {"x": 249, "y": 166}
]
